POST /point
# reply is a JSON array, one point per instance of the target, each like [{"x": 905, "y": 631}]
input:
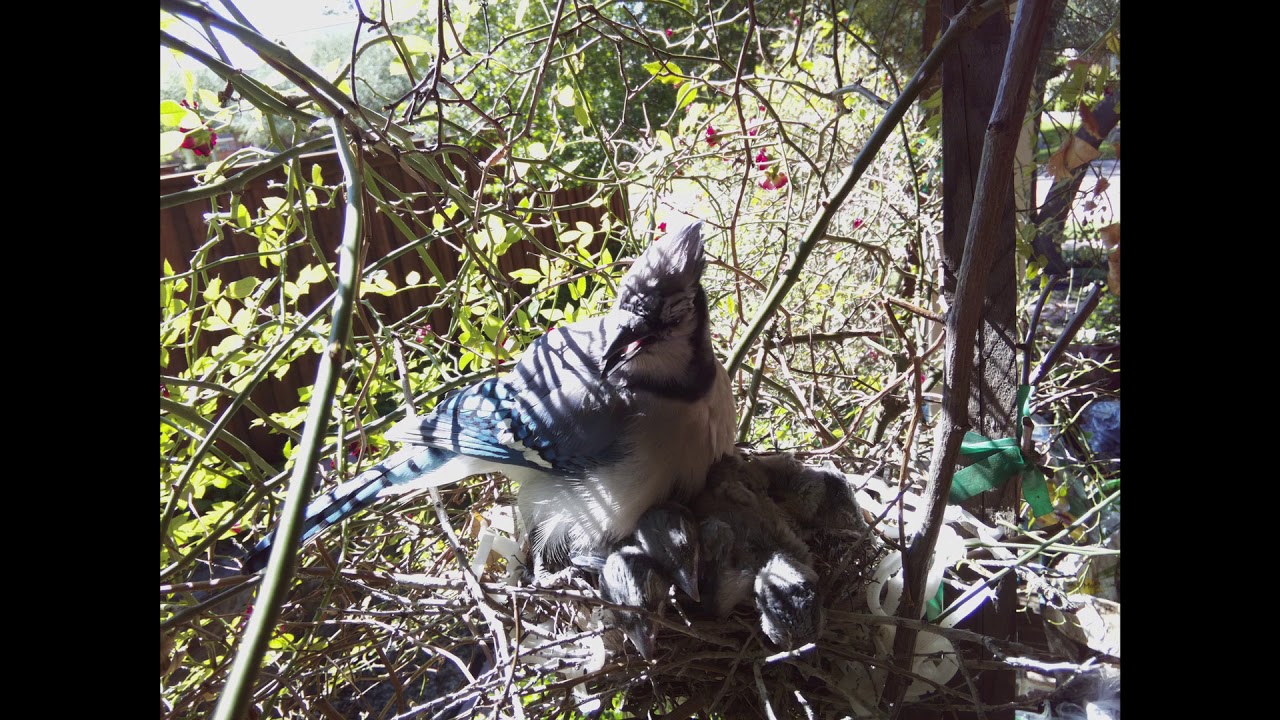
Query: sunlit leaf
[
  {"x": 415, "y": 45},
  {"x": 666, "y": 72},
  {"x": 241, "y": 288},
  {"x": 171, "y": 113},
  {"x": 688, "y": 93},
  {"x": 170, "y": 142},
  {"x": 401, "y": 10},
  {"x": 528, "y": 276},
  {"x": 213, "y": 290},
  {"x": 566, "y": 96}
]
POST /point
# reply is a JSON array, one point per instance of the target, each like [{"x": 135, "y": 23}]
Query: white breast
[{"x": 673, "y": 445}]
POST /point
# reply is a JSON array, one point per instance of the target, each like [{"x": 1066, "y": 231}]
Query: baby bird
[
  {"x": 750, "y": 550},
  {"x": 787, "y": 598},
  {"x": 640, "y": 569},
  {"x": 632, "y": 578}
]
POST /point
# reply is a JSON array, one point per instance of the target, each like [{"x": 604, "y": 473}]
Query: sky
[{"x": 296, "y": 23}]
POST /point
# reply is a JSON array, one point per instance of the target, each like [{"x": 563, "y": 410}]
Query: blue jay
[{"x": 598, "y": 421}]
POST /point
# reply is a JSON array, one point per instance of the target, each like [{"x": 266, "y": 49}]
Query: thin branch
[
  {"x": 970, "y": 17},
  {"x": 234, "y": 701}
]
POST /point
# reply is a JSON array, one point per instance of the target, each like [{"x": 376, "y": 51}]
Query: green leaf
[
  {"x": 272, "y": 204},
  {"x": 316, "y": 177},
  {"x": 580, "y": 114},
  {"x": 312, "y": 274},
  {"x": 401, "y": 10},
  {"x": 209, "y": 99},
  {"x": 171, "y": 113},
  {"x": 528, "y": 276},
  {"x": 566, "y": 96},
  {"x": 170, "y": 142},
  {"x": 415, "y": 45},
  {"x": 666, "y": 72},
  {"x": 537, "y": 151},
  {"x": 242, "y": 215},
  {"x": 241, "y": 288},
  {"x": 571, "y": 165},
  {"x": 687, "y": 94},
  {"x": 496, "y": 231},
  {"x": 213, "y": 290},
  {"x": 412, "y": 278}
]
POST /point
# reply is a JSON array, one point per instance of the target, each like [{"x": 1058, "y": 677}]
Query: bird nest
[{"x": 436, "y": 617}]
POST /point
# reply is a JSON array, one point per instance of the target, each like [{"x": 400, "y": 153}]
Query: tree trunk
[{"x": 970, "y": 81}]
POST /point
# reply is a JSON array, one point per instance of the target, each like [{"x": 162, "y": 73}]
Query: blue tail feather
[{"x": 356, "y": 494}]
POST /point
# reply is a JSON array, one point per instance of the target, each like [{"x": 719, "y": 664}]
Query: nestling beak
[
  {"x": 639, "y": 633},
  {"x": 687, "y": 582},
  {"x": 631, "y": 338}
]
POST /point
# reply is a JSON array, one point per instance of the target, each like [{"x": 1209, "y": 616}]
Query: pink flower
[
  {"x": 201, "y": 140},
  {"x": 713, "y": 137},
  {"x": 164, "y": 390},
  {"x": 662, "y": 227},
  {"x": 775, "y": 181},
  {"x": 423, "y": 333},
  {"x": 751, "y": 131},
  {"x": 762, "y": 160},
  {"x": 857, "y": 223},
  {"x": 670, "y": 32}
]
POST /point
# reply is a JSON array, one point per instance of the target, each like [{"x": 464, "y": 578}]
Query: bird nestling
[
  {"x": 750, "y": 550},
  {"x": 640, "y": 570},
  {"x": 598, "y": 421}
]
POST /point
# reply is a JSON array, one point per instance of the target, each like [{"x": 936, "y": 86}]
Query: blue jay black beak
[{"x": 631, "y": 338}]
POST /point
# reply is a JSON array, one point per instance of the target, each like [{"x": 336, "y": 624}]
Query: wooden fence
[{"x": 184, "y": 229}]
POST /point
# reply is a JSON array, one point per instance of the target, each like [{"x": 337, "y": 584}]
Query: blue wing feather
[{"x": 550, "y": 412}]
